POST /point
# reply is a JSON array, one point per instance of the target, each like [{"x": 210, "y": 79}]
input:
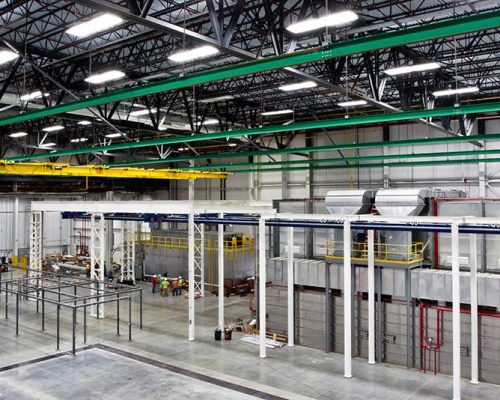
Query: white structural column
[
  {"x": 455, "y": 278},
  {"x": 199, "y": 259},
  {"x": 36, "y": 244},
  {"x": 290, "y": 289},
  {"x": 97, "y": 258},
  {"x": 15, "y": 229},
  {"x": 191, "y": 249},
  {"x": 347, "y": 301},
  {"x": 262, "y": 287},
  {"x": 371, "y": 297},
  {"x": 127, "y": 264},
  {"x": 474, "y": 342},
  {"x": 220, "y": 257}
]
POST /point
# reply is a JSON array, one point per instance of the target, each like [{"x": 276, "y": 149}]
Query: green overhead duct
[
  {"x": 348, "y": 159},
  {"x": 320, "y": 124},
  {"x": 371, "y": 165},
  {"x": 315, "y": 149},
  {"x": 400, "y": 37}
]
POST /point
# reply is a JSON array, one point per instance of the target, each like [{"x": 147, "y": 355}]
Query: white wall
[{"x": 268, "y": 186}]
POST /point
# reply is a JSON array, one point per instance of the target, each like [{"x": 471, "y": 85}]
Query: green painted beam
[
  {"x": 316, "y": 149},
  {"x": 400, "y": 37},
  {"x": 347, "y": 159},
  {"x": 371, "y": 165},
  {"x": 319, "y": 124}
]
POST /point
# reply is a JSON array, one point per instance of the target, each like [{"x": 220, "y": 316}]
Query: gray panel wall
[{"x": 426, "y": 284}]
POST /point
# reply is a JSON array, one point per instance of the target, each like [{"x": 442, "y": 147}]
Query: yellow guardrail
[
  {"x": 398, "y": 253},
  {"x": 232, "y": 248}
]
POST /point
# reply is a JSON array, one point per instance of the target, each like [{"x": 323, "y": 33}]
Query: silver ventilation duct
[
  {"x": 401, "y": 202},
  {"x": 349, "y": 202}
]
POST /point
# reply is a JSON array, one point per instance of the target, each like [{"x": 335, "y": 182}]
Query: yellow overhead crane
[{"x": 102, "y": 171}]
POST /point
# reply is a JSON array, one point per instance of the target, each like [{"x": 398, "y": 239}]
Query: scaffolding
[
  {"x": 97, "y": 257},
  {"x": 36, "y": 244},
  {"x": 127, "y": 262}
]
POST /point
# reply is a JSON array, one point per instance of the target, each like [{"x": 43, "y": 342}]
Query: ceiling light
[
  {"x": 113, "y": 135},
  {"x": 408, "y": 69},
  {"x": 95, "y": 25},
  {"x": 139, "y": 113},
  {"x": 209, "y": 121},
  {"x": 277, "y": 112},
  {"x": 298, "y": 86},
  {"x": 107, "y": 76},
  {"x": 450, "y": 92},
  {"x": 47, "y": 145},
  {"x": 53, "y": 128},
  {"x": 352, "y": 103},
  {"x": 232, "y": 144},
  {"x": 32, "y": 96},
  {"x": 193, "y": 54},
  {"x": 18, "y": 134},
  {"x": 84, "y": 122},
  {"x": 78, "y": 140},
  {"x": 217, "y": 99},
  {"x": 7, "y": 55},
  {"x": 335, "y": 19}
]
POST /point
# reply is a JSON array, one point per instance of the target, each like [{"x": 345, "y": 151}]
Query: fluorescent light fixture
[
  {"x": 107, "y": 76},
  {"x": 47, "y": 145},
  {"x": 98, "y": 24},
  {"x": 209, "y": 121},
  {"x": 32, "y": 96},
  {"x": 335, "y": 19},
  {"x": 450, "y": 92},
  {"x": 277, "y": 112},
  {"x": 84, "y": 122},
  {"x": 193, "y": 54},
  {"x": 113, "y": 135},
  {"x": 78, "y": 140},
  {"x": 408, "y": 69},
  {"x": 217, "y": 99},
  {"x": 232, "y": 144},
  {"x": 7, "y": 56},
  {"x": 18, "y": 134},
  {"x": 53, "y": 128},
  {"x": 298, "y": 86},
  {"x": 138, "y": 113},
  {"x": 352, "y": 103}
]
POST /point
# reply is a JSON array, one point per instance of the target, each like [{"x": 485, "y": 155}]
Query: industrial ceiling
[{"x": 138, "y": 40}]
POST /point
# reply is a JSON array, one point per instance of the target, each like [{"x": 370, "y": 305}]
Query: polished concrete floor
[{"x": 160, "y": 360}]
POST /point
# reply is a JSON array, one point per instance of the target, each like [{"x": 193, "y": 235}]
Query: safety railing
[
  {"x": 399, "y": 253},
  {"x": 232, "y": 248}
]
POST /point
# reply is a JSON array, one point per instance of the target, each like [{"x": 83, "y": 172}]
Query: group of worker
[{"x": 162, "y": 282}]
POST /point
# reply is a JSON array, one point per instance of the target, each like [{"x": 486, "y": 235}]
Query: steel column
[
  {"x": 455, "y": 271},
  {"x": 474, "y": 331},
  {"x": 262, "y": 288},
  {"x": 191, "y": 277},
  {"x": 290, "y": 290},
  {"x": 371, "y": 297},
  {"x": 220, "y": 258},
  {"x": 347, "y": 301}
]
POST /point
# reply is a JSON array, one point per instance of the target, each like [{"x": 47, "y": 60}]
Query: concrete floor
[{"x": 157, "y": 353}]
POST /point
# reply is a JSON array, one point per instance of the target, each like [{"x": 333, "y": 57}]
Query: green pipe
[
  {"x": 372, "y": 165},
  {"x": 400, "y": 37},
  {"x": 320, "y": 124},
  {"x": 348, "y": 159},
  {"x": 351, "y": 146}
]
